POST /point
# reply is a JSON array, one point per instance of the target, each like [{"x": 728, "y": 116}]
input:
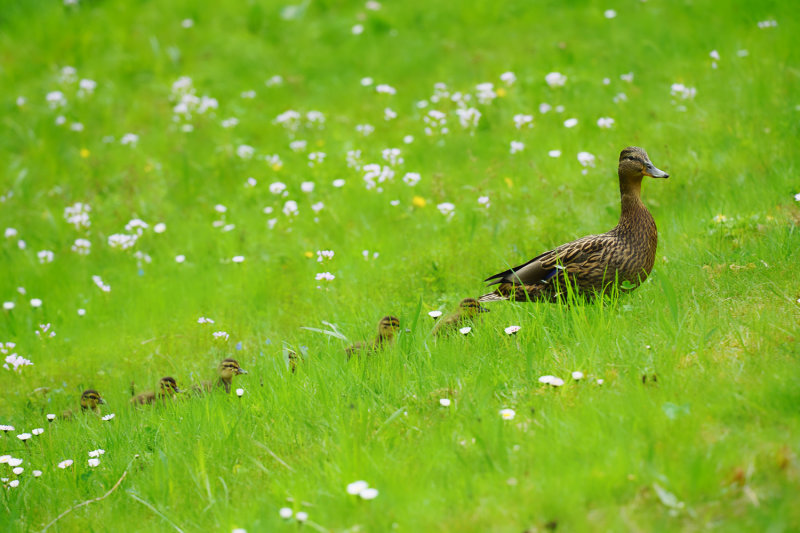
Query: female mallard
[
  {"x": 169, "y": 388},
  {"x": 593, "y": 263},
  {"x": 468, "y": 309},
  {"x": 387, "y": 329}
]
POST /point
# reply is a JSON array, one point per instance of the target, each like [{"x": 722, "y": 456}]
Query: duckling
[
  {"x": 592, "y": 264},
  {"x": 226, "y": 370},
  {"x": 90, "y": 401},
  {"x": 387, "y": 329},
  {"x": 468, "y": 310},
  {"x": 169, "y": 388}
]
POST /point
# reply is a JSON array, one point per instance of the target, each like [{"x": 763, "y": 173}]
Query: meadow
[{"x": 182, "y": 182}]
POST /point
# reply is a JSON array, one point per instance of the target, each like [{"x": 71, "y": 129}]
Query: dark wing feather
[{"x": 543, "y": 267}]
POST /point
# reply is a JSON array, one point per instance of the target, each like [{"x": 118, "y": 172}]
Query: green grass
[{"x": 712, "y": 444}]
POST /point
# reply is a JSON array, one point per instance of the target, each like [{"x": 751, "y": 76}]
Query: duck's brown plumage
[
  {"x": 387, "y": 329},
  {"x": 592, "y": 264},
  {"x": 226, "y": 370},
  {"x": 468, "y": 310},
  {"x": 169, "y": 388}
]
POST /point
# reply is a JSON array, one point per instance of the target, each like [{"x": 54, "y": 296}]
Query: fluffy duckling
[
  {"x": 468, "y": 310},
  {"x": 226, "y": 370},
  {"x": 169, "y": 388},
  {"x": 90, "y": 401},
  {"x": 388, "y": 328},
  {"x": 592, "y": 264}
]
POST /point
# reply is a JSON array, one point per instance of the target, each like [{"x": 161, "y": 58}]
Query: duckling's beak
[
  {"x": 102, "y": 401},
  {"x": 653, "y": 172},
  {"x": 241, "y": 371},
  {"x": 178, "y": 391}
]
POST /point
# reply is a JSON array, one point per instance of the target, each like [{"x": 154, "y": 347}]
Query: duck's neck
[{"x": 631, "y": 205}]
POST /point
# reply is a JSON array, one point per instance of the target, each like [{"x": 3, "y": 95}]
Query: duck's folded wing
[{"x": 543, "y": 267}]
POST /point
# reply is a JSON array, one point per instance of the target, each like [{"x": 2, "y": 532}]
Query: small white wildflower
[
  {"x": 245, "y": 151},
  {"x": 408, "y": 139},
  {"x": 605, "y": 122},
  {"x": 444, "y": 402},
  {"x": 508, "y": 78},
  {"x": 357, "y": 29},
  {"x": 317, "y": 207},
  {"x": 357, "y": 487},
  {"x": 160, "y": 227},
  {"x": 97, "y": 453},
  {"x": 56, "y": 99},
  {"x": 129, "y": 139},
  {"x": 290, "y": 208},
  {"x": 307, "y": 186},
  {"x": 36, "y": 302},
  {"x": 65, "y": 464},
  {"x": 180, "y": 258},
  {"x": 367, "y": 81},
  {"x": 238, "y": 259},
  {"x": 93, "y": 462},
  {"x": 511, "y": 330},
  {"x": 554, "y": 153},
  {"x": 204, "y": 320},
  {"x": 239, "y": 392},
  {"x": 221, "y": 335},
  {"x": 586, "y": 159},
  {"x": 411, "y": 178},
  {"x": 446, "y": 208},
  {"x": 389, "y": 114},
  {"x": 285, "y": 513},
  {"x": 570, "y": 122},
  {"x": 338, "y": 183},
  {"x": 627, "y": 77},
  {"x": 434, "y": 314},
  {"x": 507, "y": 414},
  {"x": 298, "y": 146},
  {"x": 555, "y": 79},
  {"x": 368, "y": 494},
  {"x": 324, "y": 276},
  {"x": 10, "y": 232},
  {"x": 385, "y": 89},
  {"x": 45, "y": 256},
  {"x": 577, "y": 375},
  {"x": 517, "y": 146},
  {"x": 37, "y": 473},
  {"x": 465, "y": 330},
  {"x": 600, "y": 381},
  {"x": 484, "y": 201},
  {"x": 523, "y": 120},
  {"x": 301, "y": 516},
  {"x": 609, "y": 13},
  {"x": 24, "y": 436},
  {"x": 14, "y": 483},
  {"x": 8, "y": 306},
  {"x": 187, "y": 23},
  {"x": 544, "y": 107}
]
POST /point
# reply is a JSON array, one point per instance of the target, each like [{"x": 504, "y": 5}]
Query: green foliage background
[{"x": 713, "y": 443}]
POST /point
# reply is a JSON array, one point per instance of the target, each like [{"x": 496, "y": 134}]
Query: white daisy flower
[{"x": 507, "y": 414}]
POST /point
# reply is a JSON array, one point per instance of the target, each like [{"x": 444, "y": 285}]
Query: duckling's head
[
  {"x": 90, "y": 399},
  {"x": 388, "y": 326},
  {"x": 229, "y": 368},
  {"x": 635, "y": 163},
  {"x": 471, "y": 307},
  {"x": 169, "y": 386}
]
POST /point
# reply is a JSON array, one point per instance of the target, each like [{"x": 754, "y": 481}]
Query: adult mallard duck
[
  {"x": 387, "y": 329},
  {"x": 468, "y": 309},
  {"x": 592, "y": 264}
]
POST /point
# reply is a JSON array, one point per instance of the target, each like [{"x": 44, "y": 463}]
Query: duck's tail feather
[{"x": 492, "y": 297}]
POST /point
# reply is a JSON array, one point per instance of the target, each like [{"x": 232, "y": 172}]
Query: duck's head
[
  {"x": 635, "y": 163},
  {"x": 229, "y": 368},
  {"x": 90, "y": 399},
  {"x": 169, "y": 386},
  {"x": 388, "y": 326},
  {"x": 471, "y": 307}
]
